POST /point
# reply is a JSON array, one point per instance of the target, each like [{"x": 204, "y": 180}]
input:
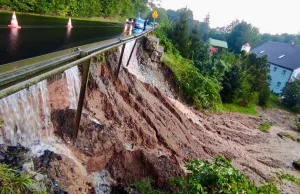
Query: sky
[{"x": 270, "y": 16}]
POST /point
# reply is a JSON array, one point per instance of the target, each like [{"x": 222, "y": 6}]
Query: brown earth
[{"x": 144, "y": 132}]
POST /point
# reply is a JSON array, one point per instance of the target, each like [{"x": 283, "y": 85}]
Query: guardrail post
[
  {"x": 131, "y": 52},
  {"x": 84, "y": 82},
  {"x": 120, "y": 60}
]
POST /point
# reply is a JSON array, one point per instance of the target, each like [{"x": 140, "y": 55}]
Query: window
[
  {"x": 275, "y": 68},
  {"x": 283, "y": 72},
  {"x": 262, "y": 51},
  {"x": 281, "y": 56},
  {"x": 278, "y": 84}
]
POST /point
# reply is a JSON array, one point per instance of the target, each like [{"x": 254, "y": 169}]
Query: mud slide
[{"x": 137, "y": 129}]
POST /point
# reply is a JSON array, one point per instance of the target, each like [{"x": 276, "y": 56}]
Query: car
[{"x": 139, "y": 23}]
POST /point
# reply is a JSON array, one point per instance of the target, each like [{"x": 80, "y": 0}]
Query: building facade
[{"x": 284, "y": 61}]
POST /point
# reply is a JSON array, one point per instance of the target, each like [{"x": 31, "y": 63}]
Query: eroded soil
[{"x": 137, "y": 129}]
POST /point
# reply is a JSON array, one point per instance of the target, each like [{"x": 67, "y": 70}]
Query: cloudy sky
[{"x": 270, "y": 16}]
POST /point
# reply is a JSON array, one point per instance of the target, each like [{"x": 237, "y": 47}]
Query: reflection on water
[
  {"x": 68, "y": 33},
  {"x": 43, "y": 35},
  {"x": 13, "y": 40}
]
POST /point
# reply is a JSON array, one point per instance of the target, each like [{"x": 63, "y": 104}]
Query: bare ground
[{"x": 145, "y": 132}]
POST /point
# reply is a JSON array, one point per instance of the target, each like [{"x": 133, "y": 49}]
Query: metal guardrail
[{"x": 22, "y": 74}]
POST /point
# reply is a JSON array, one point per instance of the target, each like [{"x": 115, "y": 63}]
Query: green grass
[
  {"x": 12, "y": 183},
  {"x": 298, "y": 126},
  {"x": 288, "y": 177},
  {"x": 265, "y": 127},
  {"x": 292, "y": 137},
  {"x": 251, "y": 109},
  {"x": 275, "y": 102}
]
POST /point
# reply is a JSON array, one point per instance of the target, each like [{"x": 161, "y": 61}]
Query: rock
[
  {"x": 39, "y": 177},
  {"x": 28, "y": 167},
  {"x": 281, "y": 135},
  {"x": 15, "y": 156},
  {"x": 43, "y": 162},
  {"x": 152, "y": 43},
  {"x": 296, "y": 164}
]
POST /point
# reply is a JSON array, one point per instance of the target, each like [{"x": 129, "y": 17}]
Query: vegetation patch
[
  {"x": 251, "y": 109},
  {"x": 200, "y": 90},
  {"x": 298, "y": 126},
  {"x": 212, "y": 177},
  {"x": 288, "y": 177},
  {"x": 12, "y": 182},
  {"x": 292, "y": 137},
  {"x": 265, "y": 127}
]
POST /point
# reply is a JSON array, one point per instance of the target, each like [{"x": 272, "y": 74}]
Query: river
[{"x": 41, "y": 35}]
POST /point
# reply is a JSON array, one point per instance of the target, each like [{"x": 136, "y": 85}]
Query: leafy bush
[
  {"x": 145, "y": 187},
  {"x": 210, "y": 178},
  {"x": 292, "y": 94},
  {"x": 13, "y": 183},
  {"x": 265, "y": 127},
  {"x": 161, "y": 33},
  {"x": 297, "y": 124},
  {"x": 201, "y": 90},
  {"x": 218, "y": 177}
]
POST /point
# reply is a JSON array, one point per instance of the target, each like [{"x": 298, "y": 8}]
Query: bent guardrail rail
[{"x": 22, "y": 74}]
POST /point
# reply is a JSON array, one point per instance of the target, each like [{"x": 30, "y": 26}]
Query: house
[
  {"x": 284, "y": 60},
  {"x": 246, "y": 47},
  {"x": 215, "y": 46}
]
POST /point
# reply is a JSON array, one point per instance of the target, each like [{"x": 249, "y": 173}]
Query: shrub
[
  {"x": 145, "y": 187},
  {"x": 13, "y": 183},
  {"x": 265, "y": 127},
  {"x": 201, "y": 90},
  {"x": 218, "y": 177},
  {"x": 298, "y": 126},
  {"x": 292, "y": 94}
]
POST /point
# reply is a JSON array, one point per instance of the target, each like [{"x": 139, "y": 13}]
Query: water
[
  {"x": 73, "y": 85},
  {"x": 41, "y": 35},
  {"x": 26, "y": 116},
  {"x": 102, "y": 181},
  {"x": 133, "y": 66}
]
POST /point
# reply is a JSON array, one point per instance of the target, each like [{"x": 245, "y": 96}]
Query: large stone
[
  {"x": 296, "y": 164},
  {"x": 157, "y": 55},
  {"x": 152, "y": 43}
]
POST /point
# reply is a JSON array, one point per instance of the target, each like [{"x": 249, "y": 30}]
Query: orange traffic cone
[
  {"x": 69, "y": 25},
  {"x": 14, "y": 21}
]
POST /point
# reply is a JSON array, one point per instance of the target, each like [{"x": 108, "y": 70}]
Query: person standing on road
[
  {"x": 133, "y": 24},
  {"x": 145, "y": 24}
]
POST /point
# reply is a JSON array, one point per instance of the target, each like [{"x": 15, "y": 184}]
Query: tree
[
  {"x": 204, "y": 28},
  {"x": 242, "y": 33},
  {"x": 255, "y": 80},
  {"x": 181, "y": 34},
  {"x": 292, "y": 94},
  {"x": 230, "y": 84},
  {"x": 196, "y": 43}
]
